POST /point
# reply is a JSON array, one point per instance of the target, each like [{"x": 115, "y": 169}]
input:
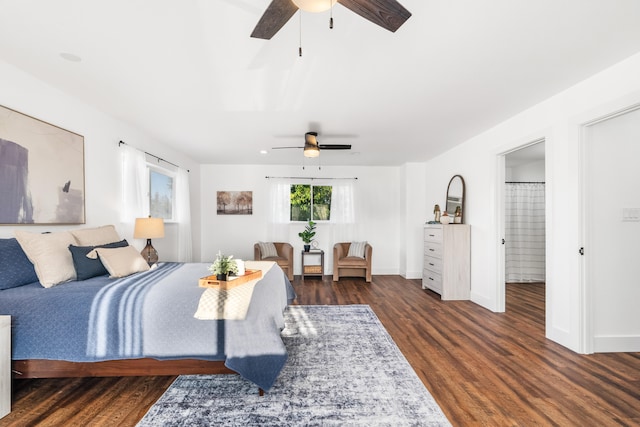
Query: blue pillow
[
  {"x": 87, "y": 268},
  {"x": 15, "y": 268}
]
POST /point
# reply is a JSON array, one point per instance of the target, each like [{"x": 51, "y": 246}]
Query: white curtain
[
  {"x": 525, "y": 232},
  {"x": 279, "y": 214},
  {"x": 342, "y": 222},
  {"x": 135, "y": 200},
  {"x": 183, "y": 216},
  {"x": 343, "y": 216},
  {"x": 343, "y": 212}
]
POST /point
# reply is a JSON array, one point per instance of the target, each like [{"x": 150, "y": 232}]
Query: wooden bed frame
[{"x": 39, "y": 368}]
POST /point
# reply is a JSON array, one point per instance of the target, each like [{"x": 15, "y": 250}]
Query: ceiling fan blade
[
  {"x": 334, "y": 146},
  {"x": 388, "y": 14},
  {"x": 274, "y": 18},
  {"x": 284, "y": 148}
]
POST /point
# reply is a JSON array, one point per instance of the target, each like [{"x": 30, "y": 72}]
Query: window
[
  {"x": 161, "y": 193},
  {"x": 310, "y": 202}
]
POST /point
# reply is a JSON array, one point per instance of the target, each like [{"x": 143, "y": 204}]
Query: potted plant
[
  {"x": 223, "y": 266},
  {"x": 307, "y": 235}
]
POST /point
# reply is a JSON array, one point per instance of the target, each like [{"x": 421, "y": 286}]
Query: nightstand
[
  {"x": 5, "y": 365},
  {"x": 313, "y": 263}
]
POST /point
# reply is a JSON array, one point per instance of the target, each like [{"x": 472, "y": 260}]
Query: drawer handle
[
  {"x": 432, "y": 250},
  {"x": 431, "y": 263},
  {"x": 432, "y": 235},
  {"x": 431, "y": 278}
]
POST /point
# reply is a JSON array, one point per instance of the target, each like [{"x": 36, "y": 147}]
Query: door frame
[
  {"x": 586, "y": 287},
  {"x": 500, "y": 214}
]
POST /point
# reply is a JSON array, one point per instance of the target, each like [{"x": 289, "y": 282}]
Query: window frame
[
  {"x": 311, "y": 210},
  {"x": 152, "y": 167}
]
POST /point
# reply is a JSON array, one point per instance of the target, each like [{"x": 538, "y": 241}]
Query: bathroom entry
[
  {"x": 523, "y": 222},
  {"x": 524, "y": 216}
]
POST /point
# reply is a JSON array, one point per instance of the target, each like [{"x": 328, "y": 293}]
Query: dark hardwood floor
[{"x": 483, "y": 368}]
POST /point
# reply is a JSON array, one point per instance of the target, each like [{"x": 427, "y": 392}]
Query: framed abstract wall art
[
  {"x": 235, "y": 202},
  {"x": 41, "y": 172}
]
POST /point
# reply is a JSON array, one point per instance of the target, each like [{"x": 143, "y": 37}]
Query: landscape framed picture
[
  {"x": 235, "y": 202},
  {"x": 41, "y": 172}
]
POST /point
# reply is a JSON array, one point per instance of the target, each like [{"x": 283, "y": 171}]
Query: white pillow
[
  {"x": 120, "y": 262},
  {"x": 356, "y": 249},
  {"x": 267, "y": 250},
  {"x": 50, "y": 255},
  {"x": 96, "y": 236}
]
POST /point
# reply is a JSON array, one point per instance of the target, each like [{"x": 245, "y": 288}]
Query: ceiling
[{"x": 187, "y": 72}]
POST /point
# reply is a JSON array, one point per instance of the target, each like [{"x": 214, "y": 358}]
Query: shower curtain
[{"x": 524, "y": 232}]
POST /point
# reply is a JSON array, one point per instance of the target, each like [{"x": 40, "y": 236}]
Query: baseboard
[
  {"x": 385, "y": 272},
  {"x": 483, "y": 301},
  {"x": 412, "y": 275},
  {"x": 616, "y": 344}
]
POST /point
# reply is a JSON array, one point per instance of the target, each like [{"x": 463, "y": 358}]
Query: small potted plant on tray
[
  {"x": 224, "y": 266},
  {"x": 307, "y": 235}
]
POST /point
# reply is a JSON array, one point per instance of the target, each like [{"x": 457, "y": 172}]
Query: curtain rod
[
  {"x": 160, "y": 159},
  {"x": 524, "y": 182},
  {"x": 303, "y": 177}
]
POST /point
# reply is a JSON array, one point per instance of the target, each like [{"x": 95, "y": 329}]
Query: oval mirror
[{"x": 455, "y": 197}]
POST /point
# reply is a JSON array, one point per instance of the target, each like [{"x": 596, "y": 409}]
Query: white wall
[
  {"x": 527, "y": 172},
  {"x": 378, "y": 212},
  {"x": 414, "y": 206},
  {"x": 25, "y": 94},
  {"x": 555, "y": 120}
]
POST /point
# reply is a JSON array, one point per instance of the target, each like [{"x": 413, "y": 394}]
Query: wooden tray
[{"x": 212, "y": 282}]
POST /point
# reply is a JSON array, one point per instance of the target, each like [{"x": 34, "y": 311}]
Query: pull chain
[
  {"x": 331, "y": 15},
  {"x": 300, "y": 35}
]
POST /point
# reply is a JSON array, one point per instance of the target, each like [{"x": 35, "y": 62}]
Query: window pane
[
  {"x": 321, "y": 203},
  {"x": 160, "y": 195},
  {"x": 300, "y": 202}
]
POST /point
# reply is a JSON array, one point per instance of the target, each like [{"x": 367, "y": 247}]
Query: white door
[{"x": 612, "y": 233}]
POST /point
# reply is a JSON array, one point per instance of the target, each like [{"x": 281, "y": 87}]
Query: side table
[
  {"x": 313, "y": 266},
  {"x": 5, "y": 365}
]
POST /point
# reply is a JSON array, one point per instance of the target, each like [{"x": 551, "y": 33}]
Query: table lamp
[{"x": 149, "y": 228}]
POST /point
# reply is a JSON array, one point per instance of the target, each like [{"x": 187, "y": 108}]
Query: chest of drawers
[{"x": 447, "y": 254}]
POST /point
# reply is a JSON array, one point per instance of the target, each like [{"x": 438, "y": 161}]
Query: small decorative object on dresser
[
  {"x": 457, "y": 219},
  {"x": 436, "y": 212},
  {"x": 445, "y": 218},
  {"x": 447, "y": 261}
]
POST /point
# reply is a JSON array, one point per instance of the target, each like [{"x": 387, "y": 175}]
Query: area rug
[{"x": 343, "y": 369}]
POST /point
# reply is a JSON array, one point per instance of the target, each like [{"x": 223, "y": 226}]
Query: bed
[{"x": 144, "y": 324}]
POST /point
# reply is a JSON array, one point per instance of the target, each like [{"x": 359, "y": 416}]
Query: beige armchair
[
  {"x": 344, "y": 265},
  {"x": 284, "y": 258}
]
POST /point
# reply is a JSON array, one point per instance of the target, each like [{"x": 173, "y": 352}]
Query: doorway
[{"x": 524, "y": 219}]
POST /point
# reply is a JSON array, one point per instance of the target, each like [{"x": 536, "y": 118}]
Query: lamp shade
[
  {"x": 315, "y": 5},
  {"x": 311, "y": 150},
  {"x": 148, "y": 228}
]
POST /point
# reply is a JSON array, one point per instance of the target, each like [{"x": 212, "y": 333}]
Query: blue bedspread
[{"x": 149, "y": 314}]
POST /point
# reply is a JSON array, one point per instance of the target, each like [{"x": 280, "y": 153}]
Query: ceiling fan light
[
  {"x": 311, "y": 151},
  {"x": 315, "y": 6}
]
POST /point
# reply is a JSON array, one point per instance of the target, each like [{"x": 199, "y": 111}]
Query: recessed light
[
  {"x": 263, "y": 152},
  {"x": 70, "y": 57}
]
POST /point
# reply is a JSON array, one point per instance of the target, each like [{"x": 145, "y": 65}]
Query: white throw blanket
[{"x": 230, "y": 304}]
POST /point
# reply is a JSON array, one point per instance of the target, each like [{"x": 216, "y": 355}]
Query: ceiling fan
[
  {"x": 312, "y": 147},
  {"x": 388, "y": 14}
]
